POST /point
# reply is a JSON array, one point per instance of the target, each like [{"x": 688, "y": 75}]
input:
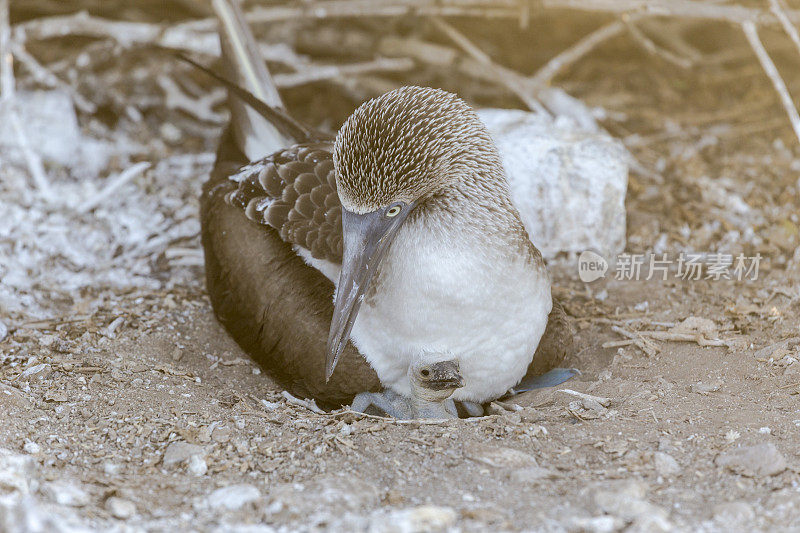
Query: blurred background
[{"x": 714, "y": 151}]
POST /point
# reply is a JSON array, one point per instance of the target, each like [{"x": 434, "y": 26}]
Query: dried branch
[
  {"x": 600, "y": 400},
  {"x": 309, "y": 404},
  {"x": 513, "y": 9},
  {"x": 751, "y": 33},
  {"x": 125, "y": 33},
  {"x": 47, "y": 78},
  {"x": 652, "y": 48},
  {"x": 682, "y": 337},
  {"x": 397, "y": 8},
  {"x": 197, "y": 36},
  {"x": 783, "y": 18},
  {"x": 672, "y": 8},
  {"x": 113, "y": 185},
  {"x": 575, "y": 52},
  {"x": 6, "y": 59},
  {"x": 201, "y": 108},
  {"x": 314, "y": 73},
  {"x": 32, "y": 159},
  {"x": 515, "y": 82}
]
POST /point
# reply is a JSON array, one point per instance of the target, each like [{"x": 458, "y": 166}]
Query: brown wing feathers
[{"x": 294, "y": 191}]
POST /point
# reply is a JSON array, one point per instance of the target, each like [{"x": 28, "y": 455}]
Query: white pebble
[
  {"x": 31, "y": 447},
  {"x": 233, "y": 497},
  {"x": 197, "y": 466},
  {"x": 120, "y": 508},
  {"x": 65, "y": 493}
]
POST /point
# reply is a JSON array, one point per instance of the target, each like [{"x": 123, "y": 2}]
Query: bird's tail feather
[
  {"x": 255, "y": 134},
  {"x": 279, "y": 118}
]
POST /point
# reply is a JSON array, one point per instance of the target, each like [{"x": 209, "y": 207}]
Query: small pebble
[
  {"x": 31, "y": 447},
  {"x": 500, "y": 456},
  {"x": 665, "y": 464},
  {"x": 39, "y": 371},
  {"x": 221, "y": 434},
  {"x": 111, "y": 468},
  {"x": 532, "y": 474},
  {"x": 734, "y": 514},
  {"x": 65, "y": 493},
  {"x": 120, "y": 508},
  {"x": 422, "y": 518},
  {"x": 598, "y": 524},
  {"x": 761, "y": 460},
  {"x": 197, "y": 466},
  {"x": 180, "y": 451},
  {"x": 170, "y": 133},
  {"x": 233, "y": 497},
  {"x": 705, "y": 388},
  {"x": 204, "y": 434}
]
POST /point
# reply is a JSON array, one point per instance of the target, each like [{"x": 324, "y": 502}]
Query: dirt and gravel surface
[{"x": 126, "y": 407}]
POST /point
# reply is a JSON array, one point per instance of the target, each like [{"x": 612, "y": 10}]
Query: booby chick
[
  {"x": 432, "y": 385},
  {"x": 408, "y": 213}
]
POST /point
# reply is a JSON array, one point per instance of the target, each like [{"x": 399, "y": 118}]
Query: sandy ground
[
  {"x": 126, "y": 407},
  {"x": 166, "y": 424}
]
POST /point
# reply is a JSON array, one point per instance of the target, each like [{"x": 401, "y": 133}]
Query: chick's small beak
[{"x": 442, "y": 375}]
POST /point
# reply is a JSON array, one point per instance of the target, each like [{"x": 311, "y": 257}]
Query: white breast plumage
[{"x": 487, "y": 306}]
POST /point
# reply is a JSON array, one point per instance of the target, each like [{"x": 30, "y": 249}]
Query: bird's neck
[{"x": 480, "y": 201}]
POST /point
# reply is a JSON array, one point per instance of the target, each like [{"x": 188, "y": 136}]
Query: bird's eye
[
  {"x": 425, "y": 372},
  {"x": 394, "y": 210}
]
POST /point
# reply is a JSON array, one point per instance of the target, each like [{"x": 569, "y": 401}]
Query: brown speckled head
[{"x": 406, "y": 145}]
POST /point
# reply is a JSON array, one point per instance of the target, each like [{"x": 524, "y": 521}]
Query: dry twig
[
  {"x": 672, "y": 8},
  {"x": 311, "y": 405},
  {"x": 751, "y": 33},
  {"x": 654, "y": 49},
  {"x": 544, "y": 75},
  {"x": 397, "y": 8},
  {"x": 32, "y": 159},
  {"x": 600, "y": 400},
  {"x": 6, "y": 59},
  {"x": 511, "y": 79},
  {"x": 647, "y": 346},
  {"x": 312, "y": 73},
  {"x": 47, "y": 78},
  {"x": 783, "y": 18},
  {"x": 114, "y": 184}
]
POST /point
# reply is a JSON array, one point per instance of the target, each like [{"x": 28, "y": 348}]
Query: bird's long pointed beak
[{"x": 366, "y": 238}]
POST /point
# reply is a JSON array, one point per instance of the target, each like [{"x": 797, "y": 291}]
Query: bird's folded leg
[
  {"x": 387, "y": 403},
  {"x": 450, "y": 407}
]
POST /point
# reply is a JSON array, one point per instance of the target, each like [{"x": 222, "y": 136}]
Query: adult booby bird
[{"x": 407, "y": 212}]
